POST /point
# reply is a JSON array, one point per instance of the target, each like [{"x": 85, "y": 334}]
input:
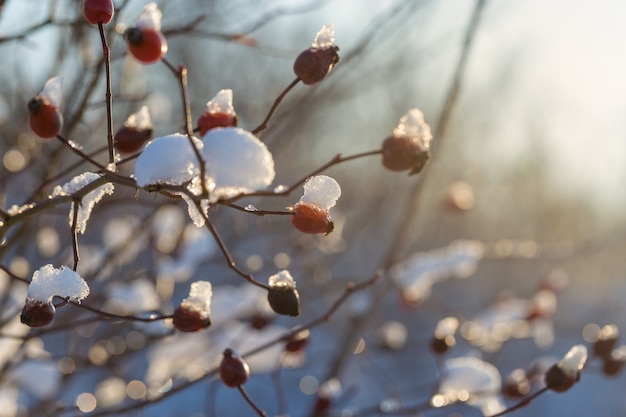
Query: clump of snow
[
  {"x": 197, "y": 217},
  {"x": 414, "y": 126},
  {"x": 421, "y": 271},
  {"x": 321, "y": 191},
  {"x": 325, "y": 38},
  {"x": 236, "y": 161},
  {"x": 472, "y": 380},
  {"x": 88, "y": 202},
  {"x": 140, "y": 120},
  {"x": 199, "y": 299},
  {"x": 221, "y": 103},
  {"x": 52, "y": 90},
  {"x": 167, "y": 160},
  {"x": 48, "y": 282},
  {"x": 150, "y": 17},
  {"x": 282, "y": 280},
  {"x": 574, "y": 361}
]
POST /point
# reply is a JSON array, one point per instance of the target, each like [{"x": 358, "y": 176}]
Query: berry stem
[
  {"x": 265, "y": 124},
  {"x": 261, "y": 212},
  {"x": 75, "y": 208},
  {"x": 249, "y": 400},
  {"x": 72, "y": 146},
  {"x": 522, "y": 403},
  {"x": 106, "y": 51},
  {"x": 107, "y": 315}
]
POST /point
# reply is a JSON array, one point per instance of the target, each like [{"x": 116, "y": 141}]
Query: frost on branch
[
  {"x": 52, "y": 91},
  {"x": 471, "y": 380},
  {"x": 417, "y": 274},
  {"x": 325, "y": 38},
  {"x": 167, "y": 160},
  {"x": 150, "y": 17},
  {"x": 88, "y": 201},
  {"x": 236, "y": 162}
]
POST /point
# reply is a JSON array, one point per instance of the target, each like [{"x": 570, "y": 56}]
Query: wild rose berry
[
  {"x": 408, "y": 147},
  {"x": 219, "y": 112},
  {"x": 564, "y": 374},
  {"x": 311, "y": 219},
  {"x": 234, "y": 371},
  {"x": 607, "y": 340},
  {"x": 315, "y": 63},
  {"x": 144, "y": 40},
  {"x": 193, "y": 312},
  {"x": 516, "y": 384},
  {"x": 37, "y": 313},
  {"x": 98, "y": 11},
  {"x": 45, "y": 120},
  {"x": 282, "y": 295},
  {"x": 189, "y": 320},
  {"x": 298, "y": 341},
  {"x": 137, "y": 130},
  {"x": 613, "y": 364}
]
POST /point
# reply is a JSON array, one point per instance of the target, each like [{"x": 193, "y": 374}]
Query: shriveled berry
[
  {"x": 98, "y": 11},
  {"x": 188, "y": 320},
  {"x": 311, "y": 219},
  {"x": 208, "y": 121},
  {"x": 45, "y": 119},
  {"x": 298, "y": 341},
  {"x": 37, "y": 313},
  {"x": 145, "y": 44},
  {"x": 285, "y": 301},
  {"x": 234, "y": 371},
  {"x": 130, "y": 140},
  {"x": 402, "y": 153},
  {"x": 313, "y": 65}
]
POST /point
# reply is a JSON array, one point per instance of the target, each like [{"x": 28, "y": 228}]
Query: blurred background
[{"x": 526, "y": 105}]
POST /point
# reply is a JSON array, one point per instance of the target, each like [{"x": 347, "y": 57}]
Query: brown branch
[
  {"x": 71, "y": 145},
  {"x": 264, "y": 124},
  {"x": 249, "y": 401},
  {"x": 522, "y": 403},
  {"x": 106, "y": 51},
  {"x": 74, "y": 229}
]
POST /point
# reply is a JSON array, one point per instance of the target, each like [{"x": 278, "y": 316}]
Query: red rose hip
[
  {"x": 98, "y": 11},
  {"x": 234, "y": 371}
]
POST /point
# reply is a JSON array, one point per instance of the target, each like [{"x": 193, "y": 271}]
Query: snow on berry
[
  {"x": 140, "y": 120},
  {"x": 413, "y": 125},
  {"x": 48, "y": 282},
  {"x": 325, "y": 38},
  {"x": 236, "y": 161},
  {"x": 52, "y": 91},
  {"x": 221, "y": 103},
  {"x": 282, "y": 280},
  {"x": 193, "y": 313},
  {"x": 574, "y": 361},
  {"x": 150, "y": 17},
  {"x": 321, "y": 191},
  {"x": 167, "y": 160},
  {"x": 88, "y": 201}
]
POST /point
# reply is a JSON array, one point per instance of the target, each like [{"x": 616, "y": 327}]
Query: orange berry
[
  {"x": 311, "y": 219},
  {"x": 146, "y": 45},
  {"x": 45, "y": 120}
]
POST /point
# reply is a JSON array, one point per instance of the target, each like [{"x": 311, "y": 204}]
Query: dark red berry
[
  {"x": 607, "y": 340},
  {"x": 208, "y": 121},
  {"x": 311, "y": 219},
  {"x": 130, "y": 140},
  {"x": 441, "y": 345},
  {"x": 188, "y": 320},
  {"x": 614, "y": 363},
  {"x": 98, "y": 11},
  {"x": 298, "y": 341},
  {"x": 45, "y": 119},
  {"x": 313, "y": 65},
  {"x": 557, "y": 380},
  {"x": 402, "y": 153},
  {"x": 37, "y": 313},
  {"x": 146, "y": 45},
  {"x": 516, "y": 384},
  {"x": 234, "y": 371},
  {"x": 285, "y": 301}
]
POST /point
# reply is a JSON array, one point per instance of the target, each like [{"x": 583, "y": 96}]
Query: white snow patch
[
  {"x": 282, "y": 279},
  {"x": 473, "y": 376},
  {"x": 48, "y": 282},
  {"x": 140, "y": 120},
  {"x": 325, "y": 38},
  {"x": 167, "y": 160},
  {"x": 222, "y": 103},
  {"x": 150, "y": 17},
  {"x": 321, "y": 191},
  {"x": 414, "y": 126},
  {"x": 88, "y": 201},
  {"x": 236, "y": 161},
  {"x": 574, "y": 361},
  {"x": 52, "y": 91},
  {"x": 199, "y": 299}
]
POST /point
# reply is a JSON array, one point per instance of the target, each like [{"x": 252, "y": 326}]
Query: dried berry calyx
[
  {"x": 316, "y": 62},
  {"x": 234, "y": 371},
  {"x": 311, "y": 219},
  {"x": 37, "y": 313}
]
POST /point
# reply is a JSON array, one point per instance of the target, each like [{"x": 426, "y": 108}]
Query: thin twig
[
  {"x": 258, "y": 212},
  {"x": 75, "y": 207},
  {"x": 522, "y": 403},
  {"x": 265, "y": 123},
  {"x": 249, "y": 400},
  {"x": 72, "y": 146},
  {"x": 107, "y": 315},
  {"x": 108, "y": 95}
]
